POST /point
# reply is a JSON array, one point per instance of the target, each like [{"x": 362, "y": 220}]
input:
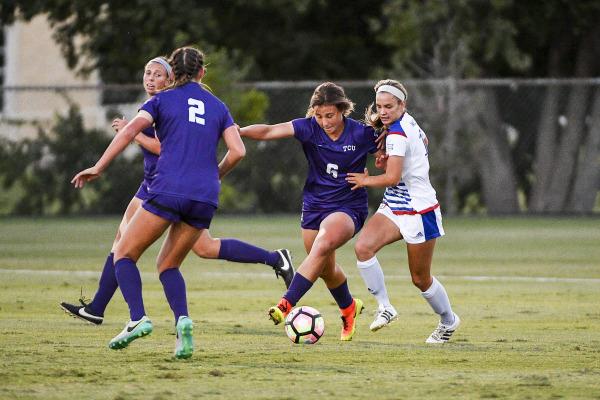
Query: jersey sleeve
[
  {"x": 151, "y": 106},
  {"x": 302, "y": 129},
  {"x": 227, "y": 119},
  {"x": 371, "y": 135}
]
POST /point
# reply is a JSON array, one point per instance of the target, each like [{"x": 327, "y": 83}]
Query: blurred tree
[
  {"x": 285, "y": 39},
  {"x": 464, "y": 39}
]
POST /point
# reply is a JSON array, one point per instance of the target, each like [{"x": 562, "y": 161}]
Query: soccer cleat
[
  {"x": 442, "y": 333},
  {"x": 385, "y": 316},
  {"x": 133, "y": 330},
  {"x": 285, "y": 268},
  {"x": 82, "y": 312},
  {"x": 184, "y": 346},
  {"x": 349, "y": 319},
  {"x": 278, "y": 313}
]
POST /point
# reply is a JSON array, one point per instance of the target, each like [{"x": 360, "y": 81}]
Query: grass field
[{"x": 527, "y": 291}]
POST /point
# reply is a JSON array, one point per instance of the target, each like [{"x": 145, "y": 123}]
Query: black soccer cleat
[
  {"x": 284, "y": 267},
  {"x": 82, "y": 312}
]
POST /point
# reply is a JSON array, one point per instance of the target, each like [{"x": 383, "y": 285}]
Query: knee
[
  {"x": 323, "y": 247},
  {"x": 363, "y": 250},
  {"x": 207, "y": 248},
  {"x": 422, "y": 282}
]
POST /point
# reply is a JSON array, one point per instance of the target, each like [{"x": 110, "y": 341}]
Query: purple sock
[
  {"x": 107, "y": 286},
  {"x": 130, "y": 282},
  {"x": 299, "y": 286},
  {"x": 238, "y": 251},
  {"x": 174, "y": 286},
  {"x": 342, "y": 295}
]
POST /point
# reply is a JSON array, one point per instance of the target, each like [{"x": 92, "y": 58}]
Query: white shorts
[{"x": 416, "y": 228}]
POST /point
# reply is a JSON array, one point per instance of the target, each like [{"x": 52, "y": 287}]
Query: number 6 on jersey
[{"x": 196, "y": 108}]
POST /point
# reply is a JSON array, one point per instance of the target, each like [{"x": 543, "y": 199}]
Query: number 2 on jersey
[{"x": 196, "y": 108}]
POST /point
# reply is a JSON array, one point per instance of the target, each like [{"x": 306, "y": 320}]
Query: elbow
[{"x": 239, "y": 153}]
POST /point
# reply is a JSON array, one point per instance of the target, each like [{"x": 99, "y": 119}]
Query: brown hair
[
  {"x": 186, "y": 63},
  {"x": 329, "y": 93},
  {"x": 371, "y": 117}
]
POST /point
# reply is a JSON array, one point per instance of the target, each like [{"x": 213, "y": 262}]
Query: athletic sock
[
  {"x": 130, "y": 282},
  {"x": 372, "y": 274},
  {"x": 174, "y": 287},
  {"x": 242, "y": 252},
  {"x": 298, "y": 288},
  {"x": 107, "y": 286},
  {"x": 342, "y": 295},
  {"x": 437, "y": 298}
]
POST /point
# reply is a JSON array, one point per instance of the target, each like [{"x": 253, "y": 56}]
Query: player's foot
[
  {"x": 133, "y": 330},
  {"x": 285, "y": 268},
  {"x": 442, "y": 333},
  {"x": 385, "y": 316},
  {"x": 184, "y": 346},
  {"x": 82, "y": 312},
  {"x": 349, "y": 315},
  {"x": 278, "y": 313}
]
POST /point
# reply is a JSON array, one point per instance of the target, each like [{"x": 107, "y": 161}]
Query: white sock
[
  {"x": 437, "y": 298},
  {"x": 372, "y": 274}
]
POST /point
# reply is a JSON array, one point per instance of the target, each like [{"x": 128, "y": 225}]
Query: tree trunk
[
  {"x": 546, "y": 142},
  {"x": 492, "y": 152},
  {"x": 566, "y": 157},
  {"x": 587, "y": 182}
]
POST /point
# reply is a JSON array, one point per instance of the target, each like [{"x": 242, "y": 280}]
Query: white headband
[
  {"x": 164, "y": 63},
  {"x": 393, "y": 90}
]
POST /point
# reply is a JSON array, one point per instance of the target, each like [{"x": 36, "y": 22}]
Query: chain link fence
[{"x": 490, "y": 140}]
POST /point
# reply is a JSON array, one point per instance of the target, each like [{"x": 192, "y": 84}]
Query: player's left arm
[
  {"x": 235, "y": 150},
  {"x": 391, "y": 177}
]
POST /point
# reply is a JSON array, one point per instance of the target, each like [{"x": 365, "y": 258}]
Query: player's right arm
[
  {"x": 268, "y": 132},
  {"x": 116, "y": 146},
  {"x": 150, "y": 144}
]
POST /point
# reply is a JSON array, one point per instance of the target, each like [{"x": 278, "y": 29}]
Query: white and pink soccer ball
[{"x": 304, "y": 325}]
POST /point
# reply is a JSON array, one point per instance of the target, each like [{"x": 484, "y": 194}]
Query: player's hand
[
  {"x": 85, "y": 176},
  {"x": 119, "y": 123},
  {"x": 381, "y": 161},
  {"x": 357, "y": 179}
]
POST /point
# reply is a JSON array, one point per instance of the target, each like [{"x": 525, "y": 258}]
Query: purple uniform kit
[{"x": 329, "y": 161}]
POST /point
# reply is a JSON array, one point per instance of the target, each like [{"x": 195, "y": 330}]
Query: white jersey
[{"x": 414, "y": 194}]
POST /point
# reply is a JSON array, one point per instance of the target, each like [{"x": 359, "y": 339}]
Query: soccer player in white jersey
[{"x": 409, "y": 210}]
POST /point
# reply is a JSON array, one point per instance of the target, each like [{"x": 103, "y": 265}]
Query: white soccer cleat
[
  {"x": 385, "y": 316},
  {"x": 442, "y": 333},
  {"x": 133, "y": 330}
]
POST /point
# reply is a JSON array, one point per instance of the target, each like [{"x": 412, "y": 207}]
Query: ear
[{"x": 200, "y": 74}]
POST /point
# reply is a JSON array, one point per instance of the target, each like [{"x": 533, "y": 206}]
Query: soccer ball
[{"x": 304, "y": 325}]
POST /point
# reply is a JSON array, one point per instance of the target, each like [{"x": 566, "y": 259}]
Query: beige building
[{"x": 34, "y": 71}]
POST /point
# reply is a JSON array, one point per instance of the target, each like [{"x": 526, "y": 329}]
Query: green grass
[{"x": 523, "y": 336}]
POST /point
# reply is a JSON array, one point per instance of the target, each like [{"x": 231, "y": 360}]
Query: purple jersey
[
  {"x": 150, "y": 158},
  {"x": 189, "y": 122},
  {"x": 330, "y": 161}
]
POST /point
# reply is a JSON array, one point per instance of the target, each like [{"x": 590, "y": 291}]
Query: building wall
[{"x": 32, "y": 58}]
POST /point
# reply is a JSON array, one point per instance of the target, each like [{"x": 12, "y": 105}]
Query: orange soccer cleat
[
  {"x": 278, "y": 313},
  {"x": 349, "y": 315}
]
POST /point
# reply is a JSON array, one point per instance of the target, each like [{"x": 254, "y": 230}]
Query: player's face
[
  {"x": 155, "y": 78},
  {"x": 329, "y": 118},
  {"x": 389, "y": 108}
]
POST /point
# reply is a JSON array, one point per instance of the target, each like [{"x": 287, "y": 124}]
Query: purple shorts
[
  {"x": 312, "y": 219},
  {"x": 175, "y": 209},
  {"x": 142, "y": 192}
]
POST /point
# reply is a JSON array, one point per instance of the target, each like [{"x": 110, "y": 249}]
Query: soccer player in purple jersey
[
  {"x": 334, "y": 145},
  {"x": 409, "y": 210},
  {"x": 157, "y": 74},
  {"x": 183, "y": 195}
]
